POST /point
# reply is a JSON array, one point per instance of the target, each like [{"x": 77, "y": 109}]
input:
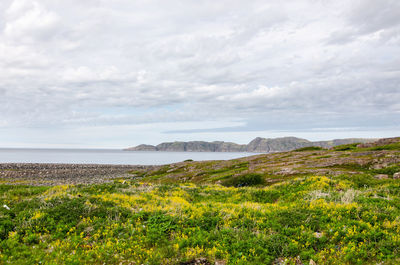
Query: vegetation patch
[
  {"x": 346, "y": 147},
  {"x": 353, "y": 167},
  {"x": 309, "y": 148},
  {"x": 244, "y": 180},
  {"x": 325, "y": 156},
  {"x": 388, "y": 170},
  {"x": 393, "y": 146},
  {"x": 330, "y": 220}
]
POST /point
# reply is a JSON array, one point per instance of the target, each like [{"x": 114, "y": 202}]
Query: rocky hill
[
  {"x": 258, "y": 145},
  {"x": 200, "y": 146},
  {"x": 379, "y": 160}
]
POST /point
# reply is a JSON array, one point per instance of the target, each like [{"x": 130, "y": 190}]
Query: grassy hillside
[
  {"x": 308, "y": 161},
  {"x": 286, "y": 208}
]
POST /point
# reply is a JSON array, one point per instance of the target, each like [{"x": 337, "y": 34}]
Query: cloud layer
[{"x": 264, "y": 65}]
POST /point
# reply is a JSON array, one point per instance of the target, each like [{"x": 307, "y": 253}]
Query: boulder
[
  {"x": 318, "y": 234},
  {"x": 379, "y": 166},
  {"x": 198, "y": 261},
  {"x": 381, "y": 176},
  {"x": 396, "y": 175}
]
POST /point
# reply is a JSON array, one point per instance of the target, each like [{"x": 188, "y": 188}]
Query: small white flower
[{"x": 5, "y": 206}]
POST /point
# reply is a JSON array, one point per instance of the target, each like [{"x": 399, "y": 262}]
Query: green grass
[
  {"x": 388, "y": 170},
  {"x": 394, "y": 146},
  {"x": 346, "y": 147},
  {"x": 309, "y": 148},
  {"x": 366, "y": 169},
  {"x": 353, "y": 147},
  {"x": 337, "y": 220},
  {"x": 244, "y": 180},
  {"x": 325, "y": 156}
]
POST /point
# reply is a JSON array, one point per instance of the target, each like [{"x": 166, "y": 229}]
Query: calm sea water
[{"x": 107, "y": 156}]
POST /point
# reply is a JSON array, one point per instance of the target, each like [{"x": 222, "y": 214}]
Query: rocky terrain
[
  {"x": 258, "y": 145},
  {"x": 380, "y": 159},
  {"x": 58, "y": 174}
]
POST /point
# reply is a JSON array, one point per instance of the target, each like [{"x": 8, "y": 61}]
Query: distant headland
[{"x": 258, "y": 145}]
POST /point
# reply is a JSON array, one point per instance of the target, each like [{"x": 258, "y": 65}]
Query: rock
[
  {"x": 287, "y": 171},
  {"x": 379, "y": 166},
  {"x": 381, "y": 176},
  {"x": 318, "y": 235},
  {"x": 396, "y": 175},
  {"x": 298, "y": 261},
  {"x": 280, "y": 261},
  {"x": 198, "y": 261}
]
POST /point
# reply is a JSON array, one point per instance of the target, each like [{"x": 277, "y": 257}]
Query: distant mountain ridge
[{"x": 258, "y": 145}]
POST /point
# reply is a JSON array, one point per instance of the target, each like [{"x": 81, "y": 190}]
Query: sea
[{"x": 108, "y": 156}]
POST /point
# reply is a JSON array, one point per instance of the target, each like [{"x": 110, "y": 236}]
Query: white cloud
[
  {"x": 108, "y": 73},
  {"x": 108, "y": 63},
  {"x": 28, "y": 21}
]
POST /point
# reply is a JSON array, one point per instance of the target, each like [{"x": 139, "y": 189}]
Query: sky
[{"x": 118, "y": 73}]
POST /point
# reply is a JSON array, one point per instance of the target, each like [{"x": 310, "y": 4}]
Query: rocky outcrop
[
  {"x": 258, "y": 145},
  {"x": 336, "y": 142},
  {"x": 380, "y": 142},
  {"x": 381, "y": 176}
]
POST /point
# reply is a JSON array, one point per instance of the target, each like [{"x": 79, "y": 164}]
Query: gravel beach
[{"x": 60, "y": 174}]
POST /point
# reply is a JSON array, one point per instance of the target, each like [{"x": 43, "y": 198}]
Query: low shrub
[
  {"x": 388, "y": 170},
  {"x": 244, "y": 180},
  {"x": 394, "y": 146},
  {"x": 309, "y": 148},
  {"x": 346, "y": 147}
]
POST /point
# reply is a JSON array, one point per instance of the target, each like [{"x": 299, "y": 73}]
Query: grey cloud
[
  {"x": 369, "y": 17},
  {"x": 70, "y": 63}
]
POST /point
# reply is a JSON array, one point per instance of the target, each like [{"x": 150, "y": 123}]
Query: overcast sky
[{"x": 117, "y": 73}]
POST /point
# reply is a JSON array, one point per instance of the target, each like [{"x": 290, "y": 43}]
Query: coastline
[{"x": 50, "y": 174}]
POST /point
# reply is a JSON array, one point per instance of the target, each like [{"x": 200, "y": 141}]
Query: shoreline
[{"x": 50, "y": 174}]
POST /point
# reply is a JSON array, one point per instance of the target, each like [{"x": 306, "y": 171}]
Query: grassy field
[{"x": 213, "y": 214}]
